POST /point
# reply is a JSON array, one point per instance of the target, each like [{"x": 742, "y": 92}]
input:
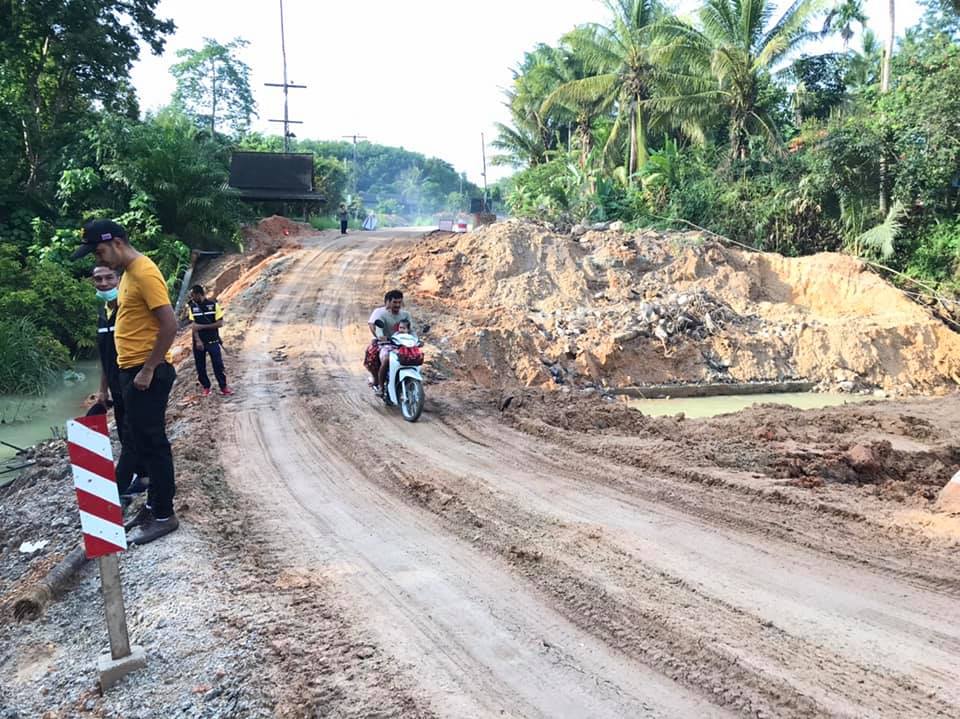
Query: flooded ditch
[
  {"x": 26, "y": 420},
  {"x": 698, "y": 407}
]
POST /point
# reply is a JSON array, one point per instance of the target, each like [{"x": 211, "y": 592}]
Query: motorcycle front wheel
[{"x": 411, "y": 399}]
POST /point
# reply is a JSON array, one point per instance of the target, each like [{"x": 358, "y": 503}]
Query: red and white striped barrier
[
  {"x": 949, "y": 499},
  {"x": 91, "y": 458}
]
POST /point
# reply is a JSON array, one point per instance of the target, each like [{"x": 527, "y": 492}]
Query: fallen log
[{"x": 32, "y": 601}]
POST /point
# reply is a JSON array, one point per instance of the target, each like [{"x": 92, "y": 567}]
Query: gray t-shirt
[{"x": 390, "y": 320}]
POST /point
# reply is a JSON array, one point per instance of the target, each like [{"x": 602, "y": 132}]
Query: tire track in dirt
[
  {"x": 479, "y": 642},
  {"x": 744, "y": 660},
  {"x": 829, "y": 531},
  {"x": 642, "y": 586}
]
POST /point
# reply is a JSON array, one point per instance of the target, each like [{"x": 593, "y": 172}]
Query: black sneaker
[
  {"x": 138, "y": 485},
  {"x": 144, "y": 515},
  {"x": 154, "y": 529}
]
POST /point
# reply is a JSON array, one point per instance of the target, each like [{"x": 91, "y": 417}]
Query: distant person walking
[
  {"x": 144, "y": 331},
  {"x": 105, "y": 281},
  {"x": 344, "y": 218},
  {"x": 207, "y": 318}
]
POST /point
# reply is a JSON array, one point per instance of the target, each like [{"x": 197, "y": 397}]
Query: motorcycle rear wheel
[{"x": 411, "y": 399}]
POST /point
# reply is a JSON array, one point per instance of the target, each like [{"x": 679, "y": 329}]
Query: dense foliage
[
  {"x": 722, "y": 123},
  {"x": 74, "y": 146},
  {"x": 387, "y": 180}
]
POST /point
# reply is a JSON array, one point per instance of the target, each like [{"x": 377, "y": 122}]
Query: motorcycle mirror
[
  {"x": 379, "y": 323},
  {"x": 424, "y": 330}
]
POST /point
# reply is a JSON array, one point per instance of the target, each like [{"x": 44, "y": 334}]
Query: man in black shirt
[
  {"x": 207, "y": 318},
  {"x": 105, "y": 281}
]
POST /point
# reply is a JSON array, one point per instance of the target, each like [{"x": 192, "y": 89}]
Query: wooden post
[{"x": 113, "y": 604}]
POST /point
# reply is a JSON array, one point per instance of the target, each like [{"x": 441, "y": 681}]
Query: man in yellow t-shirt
[{"x": 144, "y": 330}]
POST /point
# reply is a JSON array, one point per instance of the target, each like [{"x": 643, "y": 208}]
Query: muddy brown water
[
  {"x": 28, "y": 420},
  {"x": 697, "y": 407}
]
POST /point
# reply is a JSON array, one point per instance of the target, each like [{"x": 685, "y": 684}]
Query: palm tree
[
  {"x": 520, "y": 145},
  {"x": 622, "y": 72},
  {"x": 885, "y": 72},
  {"x": 532, "y": 134},
  {"x": 561, "y": 66},
  {"x": 864, "y": 68},
  {"x": 842, "y": 17},
  {"x": 735, "y": 49},
  {"x": 888, "y": 50}
]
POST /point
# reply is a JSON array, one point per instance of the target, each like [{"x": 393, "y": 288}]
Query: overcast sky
[{"x": 426, "y": 75}]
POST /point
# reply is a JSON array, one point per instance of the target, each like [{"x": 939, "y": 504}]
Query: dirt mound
[
  {"x": 622, "y": 309},
  {"x": 272, "y": 234},
  {"x": 268, "y": 246}
]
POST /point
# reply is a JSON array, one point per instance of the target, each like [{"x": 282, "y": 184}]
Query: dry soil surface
[
  {"x": 517, "y": 302},
  {"x": 525, "y": 553},
  {"x": 513, "y": 562}
]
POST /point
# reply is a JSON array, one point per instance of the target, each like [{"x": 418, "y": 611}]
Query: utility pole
[
  {"x": 286, "y": 87},
  {"x": 483, "y": 151},
  {"x": 356, "y": 173}
]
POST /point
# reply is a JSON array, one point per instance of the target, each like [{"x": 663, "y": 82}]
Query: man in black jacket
[
  {"x": 207, "y": 318},
  {"x": 105, "y": 280}
]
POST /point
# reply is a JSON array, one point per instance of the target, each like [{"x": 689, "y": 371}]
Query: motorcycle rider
[{"x": 391, "y": 314}]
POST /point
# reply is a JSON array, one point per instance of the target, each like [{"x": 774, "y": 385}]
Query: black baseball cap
[{"x": 96, "y": 232}]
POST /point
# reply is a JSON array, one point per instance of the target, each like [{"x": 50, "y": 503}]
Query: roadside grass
[{"x": 29, "y": 358}]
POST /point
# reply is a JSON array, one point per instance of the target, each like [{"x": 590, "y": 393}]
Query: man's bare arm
[{"x": 165, "y": 336}]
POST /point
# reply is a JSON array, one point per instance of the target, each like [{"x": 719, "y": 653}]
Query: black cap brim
[{"x": 82, "y": 251}]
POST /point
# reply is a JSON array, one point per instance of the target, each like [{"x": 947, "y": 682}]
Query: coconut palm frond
[{"x": 881, "y": 238}]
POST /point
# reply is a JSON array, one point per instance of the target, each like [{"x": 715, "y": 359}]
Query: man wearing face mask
[
  {"x": 145, "y": 330},
  {"x": 105, "y": 281}
]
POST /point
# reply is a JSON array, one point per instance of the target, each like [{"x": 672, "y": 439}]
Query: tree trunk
[
  {"x": 583, "y": 130},
  {"x": 633, "y": 145},
  {"x": 885, "y": 72},
  {"x": 213, "y": 93},
  {"x": 888, "y": 52},
  {"x": 642, "y": 155}
]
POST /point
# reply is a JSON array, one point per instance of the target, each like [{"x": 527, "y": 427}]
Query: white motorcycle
[{"x": 404, "y": 381}]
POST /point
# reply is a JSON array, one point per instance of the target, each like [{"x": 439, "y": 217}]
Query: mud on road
[{"x": 530, "y": 558}]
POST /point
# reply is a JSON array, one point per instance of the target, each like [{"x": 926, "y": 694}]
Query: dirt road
[{"x": 509, "y": 575}]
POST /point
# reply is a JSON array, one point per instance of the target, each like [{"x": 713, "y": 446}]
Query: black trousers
[
  {"x": 144, "y": 438},
  {"x": 120, "y": 415},
  {"x": 343, "y": 227},
  {"x": 216, "y": 359}
]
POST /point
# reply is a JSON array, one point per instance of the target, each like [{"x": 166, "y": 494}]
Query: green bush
[
  {"x": 935, "y": 254},
  {"x": 547, "y": 192},
  {"x": 29, "y": 357}
]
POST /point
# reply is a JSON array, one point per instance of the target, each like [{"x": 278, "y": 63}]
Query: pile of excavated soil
[
  {"x": 269, "y": 245},
  {"x": 272, "y": 234},
  {"x": 514, "y": 302}
]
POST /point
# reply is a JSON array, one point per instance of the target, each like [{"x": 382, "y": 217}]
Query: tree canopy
[
  {"x": 214, "y": 84},
  {"x": 728, "y": 120}
]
